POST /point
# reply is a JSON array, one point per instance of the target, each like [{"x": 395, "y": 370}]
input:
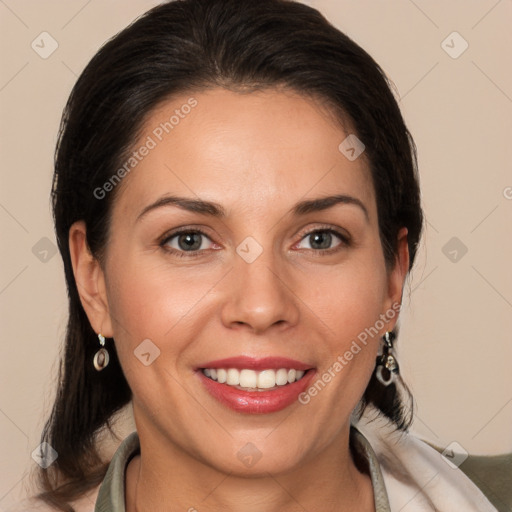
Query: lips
[{"x": 256, "y": 386}]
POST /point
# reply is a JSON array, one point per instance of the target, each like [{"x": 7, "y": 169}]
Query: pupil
[
  {"x": 190, "y": 241},
  {"x": 321, "y": 240}
]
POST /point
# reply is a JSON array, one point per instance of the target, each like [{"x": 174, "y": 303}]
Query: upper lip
[{"x": 254, "y": 363}]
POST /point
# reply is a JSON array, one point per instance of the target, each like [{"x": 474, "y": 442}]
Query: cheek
[
  {"x": 156, "y": 303},
  {"x": 348, "y": 303},
  {"x": 149, "y": 300},
  {"x": 149, "y": 307},
  {"x": 347, "y": 299}
]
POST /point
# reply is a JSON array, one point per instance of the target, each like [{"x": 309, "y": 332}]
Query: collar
[{"x": 111, "y": 493}]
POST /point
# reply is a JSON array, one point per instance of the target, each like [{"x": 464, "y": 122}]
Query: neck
[{"x": 178, "y": 482}]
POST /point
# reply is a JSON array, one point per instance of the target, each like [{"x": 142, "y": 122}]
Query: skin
[{"x": 256, "y": 155}]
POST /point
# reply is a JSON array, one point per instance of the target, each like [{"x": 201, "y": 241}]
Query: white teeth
[
  {"x": 252, "y": 379},
  {"x": 267, "y": 379},
  {"x": 282, "y": 377},
  {"x": 233, "y": 377},
  {"x": 222, "y": 375},
  {"x": 248, "y": 378}
]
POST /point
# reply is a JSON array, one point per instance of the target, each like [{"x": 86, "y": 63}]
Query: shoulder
[
  {"x": 417, "y": 477},
  {"x": 491, "y": 473},
  {"x": 32, "y": 504},
  {"x": 113, "y": 481}
]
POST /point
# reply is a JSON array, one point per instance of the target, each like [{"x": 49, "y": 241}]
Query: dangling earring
[
  {"x": 387, "y": 365},
  {"x": 101, "y": 357}
]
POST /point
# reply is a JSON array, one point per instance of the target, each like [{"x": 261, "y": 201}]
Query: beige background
[{"x": 455, "y": 344}]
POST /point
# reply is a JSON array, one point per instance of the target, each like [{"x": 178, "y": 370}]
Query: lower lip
[{"x": 257, "y": 402}]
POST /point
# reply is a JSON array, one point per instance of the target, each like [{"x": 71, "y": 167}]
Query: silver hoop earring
[
  {"x": 101, "y": 357},
  {"x": 387, "y": 365}
]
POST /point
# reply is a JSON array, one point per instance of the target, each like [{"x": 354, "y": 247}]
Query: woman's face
[{"x": 250, "y": 264}]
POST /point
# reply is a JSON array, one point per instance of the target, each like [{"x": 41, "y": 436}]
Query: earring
[
  {"x": 387, "y": 365},
  {"x": 101, "y": 357}
]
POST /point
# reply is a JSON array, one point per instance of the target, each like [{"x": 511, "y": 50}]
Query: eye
[
  {"x": 187, "y": 241},
  {"x": 322, "y": 240}
]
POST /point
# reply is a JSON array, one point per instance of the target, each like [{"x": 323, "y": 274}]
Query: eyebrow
[
  {"x": 323, "y": 203},
  {"x": 216, "y": 210},
  {"x": 191, "y": 205}
]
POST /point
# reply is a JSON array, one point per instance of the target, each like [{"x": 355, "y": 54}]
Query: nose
[{"x": 259, "y": 296}]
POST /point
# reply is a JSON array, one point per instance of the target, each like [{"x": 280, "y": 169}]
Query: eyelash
[
  {"x": 345, "y": 241},
  {"x": 173, "y": 234}
]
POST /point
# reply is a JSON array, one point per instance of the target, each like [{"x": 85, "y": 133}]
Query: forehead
[{"x": 243, "y": 150}]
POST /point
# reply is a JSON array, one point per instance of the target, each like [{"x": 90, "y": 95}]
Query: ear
[
  {"x": 90, "y": 280},
  {"x": 396, "y": 279}
]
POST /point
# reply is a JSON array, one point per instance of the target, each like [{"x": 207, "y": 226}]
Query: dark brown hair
[{"x": 182, "y": 46}]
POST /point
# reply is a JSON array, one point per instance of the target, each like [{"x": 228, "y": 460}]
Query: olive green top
[{"x": 111, "y": 493}]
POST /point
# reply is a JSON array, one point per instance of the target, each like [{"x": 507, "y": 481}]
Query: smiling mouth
[{"x": 252, "y": 380}]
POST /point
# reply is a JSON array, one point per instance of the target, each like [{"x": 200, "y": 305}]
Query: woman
[{"x": 237, "y": 207}]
